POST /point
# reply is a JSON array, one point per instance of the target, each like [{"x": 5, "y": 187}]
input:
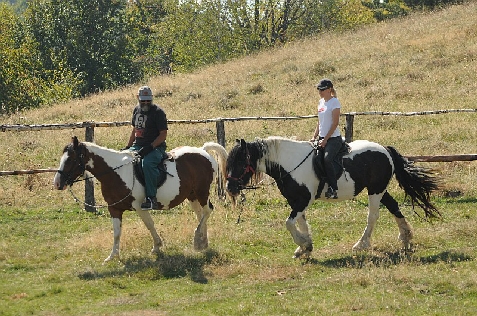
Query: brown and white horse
[{"x": 190, "y": 175}]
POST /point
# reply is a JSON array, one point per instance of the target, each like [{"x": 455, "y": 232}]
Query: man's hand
[{"x": 144, "y": 151}]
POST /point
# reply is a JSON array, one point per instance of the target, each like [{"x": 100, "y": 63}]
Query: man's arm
[{"x": 160, "y": 139}]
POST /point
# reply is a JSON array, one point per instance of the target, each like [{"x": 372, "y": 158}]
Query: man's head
[{"x": 144, "y": 95}]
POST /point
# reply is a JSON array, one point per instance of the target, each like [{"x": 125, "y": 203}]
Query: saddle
[
  {"x": 139, "y": 172},
  {"x": 319, "y": 165}
]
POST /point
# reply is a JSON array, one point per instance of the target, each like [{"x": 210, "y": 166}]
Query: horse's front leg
[
  {"x": 301, "y": 236},
  {"x": 364, "y": 242},
  {"x": 117, "y": 223},
  {"x": 201, "y": 240},
  {"x": 147, "y": 220}
]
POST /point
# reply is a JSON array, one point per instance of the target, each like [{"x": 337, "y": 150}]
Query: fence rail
[{"x": 220, "y": 127}]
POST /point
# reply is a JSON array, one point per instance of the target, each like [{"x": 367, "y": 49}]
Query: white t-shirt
[{"x": 325, "y": 117}]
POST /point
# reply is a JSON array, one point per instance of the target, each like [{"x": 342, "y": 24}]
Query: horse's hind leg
[
  {"x": 405, "y": 229},
  {"x": 147, "y": 220},
  {"x": 373, "y": 214},
  {"x": 201, "y": 240}
]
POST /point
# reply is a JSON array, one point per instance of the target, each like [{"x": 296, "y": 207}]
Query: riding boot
[{"x": 150, "y": 204}]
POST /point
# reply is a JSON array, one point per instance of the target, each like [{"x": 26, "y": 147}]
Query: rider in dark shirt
[{"x": 148, "y": 138}]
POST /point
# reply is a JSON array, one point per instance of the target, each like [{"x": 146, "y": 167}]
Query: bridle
[
  {"x": 248, "y": 168},
  {"x": 79, "y": 161}
]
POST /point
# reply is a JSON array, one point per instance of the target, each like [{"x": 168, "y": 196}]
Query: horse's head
[
  {"x": 72, "y": 164},
  {"x": 240, "y": 167}
]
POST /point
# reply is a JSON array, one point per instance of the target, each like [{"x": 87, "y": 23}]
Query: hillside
[{"x": 422, "y": 62}]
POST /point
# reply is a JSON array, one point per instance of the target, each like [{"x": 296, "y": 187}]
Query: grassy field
[{"x": 51, "y": 250}]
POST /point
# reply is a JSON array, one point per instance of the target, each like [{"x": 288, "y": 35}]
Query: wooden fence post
[
  {"x": 220, "y": 127},
  {"x": 349, "y": 128},
  {"x": 89, "y": 183}
]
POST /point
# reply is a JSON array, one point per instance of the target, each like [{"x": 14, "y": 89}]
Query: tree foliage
[
  {"x": 24, "y": 81},
  {"x": 91, "y": 36}
]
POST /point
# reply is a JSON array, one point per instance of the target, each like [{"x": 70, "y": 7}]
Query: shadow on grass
[
  {"x": 165, "y": 266},
  {"x": 359, "y": 261},
  {"x": 464, "y": 200}
]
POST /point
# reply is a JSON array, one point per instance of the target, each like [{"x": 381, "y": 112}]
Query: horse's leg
[
  {"x": 301, "y": 236},
  {"x": 373, "y": 214},
  {"x": 304, "y": 230},
  {"x": 147, "y": 220},
  {"x": 117, "y": 223},
  {"x": 405, "y": 229},
  {"x": 201, "y": 240}
]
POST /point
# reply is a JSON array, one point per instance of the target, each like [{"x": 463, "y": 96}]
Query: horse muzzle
[
  {"x": 59, "y": 182},
  {"x": 233, "y": 187}
]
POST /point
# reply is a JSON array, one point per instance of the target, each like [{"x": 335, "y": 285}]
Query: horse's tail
[
  {"x": 222, "y": 155},
  {"x": 417, "y": 182}
]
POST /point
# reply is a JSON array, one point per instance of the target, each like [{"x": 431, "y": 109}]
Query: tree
[
  {"x": 91, "y": 36},
  {"x": 24, "y": 83}
]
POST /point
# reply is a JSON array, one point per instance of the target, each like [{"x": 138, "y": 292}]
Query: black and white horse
[{"x": 367, "y": 165}]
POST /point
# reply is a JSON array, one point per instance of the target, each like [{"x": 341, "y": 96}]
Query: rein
[{"x": 286, "y": 174}]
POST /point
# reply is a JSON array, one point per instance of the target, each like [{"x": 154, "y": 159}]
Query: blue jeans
[
  {"x": 333, "y": 146},
  {"x": 150, "y": 165}
]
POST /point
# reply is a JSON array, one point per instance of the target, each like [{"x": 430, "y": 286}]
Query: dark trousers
[{"x": 333, "y": 146}]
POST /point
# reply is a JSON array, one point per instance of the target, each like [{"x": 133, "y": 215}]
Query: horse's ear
[
  {"x": 75, "y": 141},
  {"x": 243, "y": 143}
]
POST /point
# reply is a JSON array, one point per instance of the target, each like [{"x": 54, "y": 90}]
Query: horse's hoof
[
  {"x": 111, "y": 257},
  {"x": 155, "y": 250},
  {"x": 408, "y": 247},
  {"x": 201, "y": 245},
  {"x": 300, "y": 253},
  {"x": 361, "y": 245}
]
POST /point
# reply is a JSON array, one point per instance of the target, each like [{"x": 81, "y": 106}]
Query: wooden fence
[{"x": 89, "y": 127}]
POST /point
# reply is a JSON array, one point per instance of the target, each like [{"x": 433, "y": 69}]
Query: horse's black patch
[
  {"x": 298, "y": 196},
  {"x": 369, "y": 169}
]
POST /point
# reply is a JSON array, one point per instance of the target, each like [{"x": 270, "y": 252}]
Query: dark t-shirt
[{"x": 148, "y": 124}]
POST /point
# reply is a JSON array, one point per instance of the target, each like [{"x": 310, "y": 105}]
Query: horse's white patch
[
  {"x": 114, "y": 159},
  {"x": 56, "y": 179},
  {"x": 179, "y": 151}
]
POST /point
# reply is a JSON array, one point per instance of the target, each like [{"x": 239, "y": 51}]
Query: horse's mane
[
  {"x": 94, "y": 148},
  {"x": 270, "y": 146}
]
